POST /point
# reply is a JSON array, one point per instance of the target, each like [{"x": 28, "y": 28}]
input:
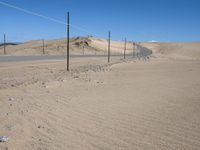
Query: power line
[
  {"x": 31, "y": 12},
  {"x": 45, "y": 17}
]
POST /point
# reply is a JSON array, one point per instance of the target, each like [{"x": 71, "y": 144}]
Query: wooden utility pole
[
  {"x": 139, "y": 50},
  {"x": 68, "y": 41},
  {"x": 125, "y": 48},
  {"x": 83, "y": 50},
  {"x": 133, "y": 49},
  {"x": 4, "y": 44},
  {"x": 108, "y": 47},
  {"x": 43, "y": 47}
]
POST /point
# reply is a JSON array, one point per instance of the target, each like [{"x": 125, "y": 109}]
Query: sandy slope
[
  {"x": 128, "y": 105},
  {"x": 176, "y": 50},
  {"x": 79, "y": 45},
  {"x": 117, "y": 47},
  {"x": 51, "y": 47}
]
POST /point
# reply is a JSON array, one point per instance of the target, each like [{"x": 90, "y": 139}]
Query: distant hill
[
  {"x": 78, "y": 45},
  {"x": 92, "y": 45},
  {"x": 1, "y": 44},
  {"x": 190, "y": 50}
]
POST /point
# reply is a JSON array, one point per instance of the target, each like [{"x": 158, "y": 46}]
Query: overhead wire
[{"x": 46, "y": 17}]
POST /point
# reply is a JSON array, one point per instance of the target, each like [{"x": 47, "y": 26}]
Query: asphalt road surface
[
  {"x": 143, "y": 52},
  {"x": 47, "y": 57}
]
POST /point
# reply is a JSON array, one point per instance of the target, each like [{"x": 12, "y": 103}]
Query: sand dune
[
  {"x": 176, "y": 50},
  {"x": 78, "y": 45},
  {"x": 52, "y": 47}
]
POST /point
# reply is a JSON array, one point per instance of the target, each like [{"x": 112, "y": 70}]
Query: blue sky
[{"x": 137, "y": 20}]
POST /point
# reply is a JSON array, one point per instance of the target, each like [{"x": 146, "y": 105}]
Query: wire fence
[{"x": 78, "y": 46}]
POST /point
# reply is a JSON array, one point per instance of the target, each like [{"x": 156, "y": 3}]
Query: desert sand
[
  {"x": 127, "y": 104},
  {"x": 78, "y": 45},
  {"x": 175, "y": 50}
]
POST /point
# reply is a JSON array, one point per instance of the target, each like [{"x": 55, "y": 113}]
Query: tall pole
[
  {"x": 136, "y": 49},
  {"x": 83, "y": 50},
  {"x": 68, "y": 41},
  {"x": 125, "y": 48},
  {"x": 4, "y": 44},
  {"x": 43, "y": 47},
  {"x": 109, "y": 47},
  {"x": 133, "y": 49},
  {"x": 139, "y": 50}
]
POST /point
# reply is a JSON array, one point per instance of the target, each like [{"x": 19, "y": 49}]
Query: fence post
[
  {"x": 4, "y": 45},
  {"x": 83, "y": 50},
  {"x": 133, "y": 48},
  {"x": 109, "y": 47},
  {"x": 43, "y": 47},
  {"x": 125, "y": 49},
  {"x": 68, "y": 41}
]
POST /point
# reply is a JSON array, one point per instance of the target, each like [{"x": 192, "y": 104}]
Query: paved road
[
  {"x": 47, "y": 57},
  {"x": 143, "y": 52}
]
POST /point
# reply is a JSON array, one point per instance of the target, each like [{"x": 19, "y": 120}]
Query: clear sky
[{"x": 137, "y": 20}]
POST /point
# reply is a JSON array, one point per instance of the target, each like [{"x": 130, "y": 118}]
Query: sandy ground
[{"x": 126, "y": 105}]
